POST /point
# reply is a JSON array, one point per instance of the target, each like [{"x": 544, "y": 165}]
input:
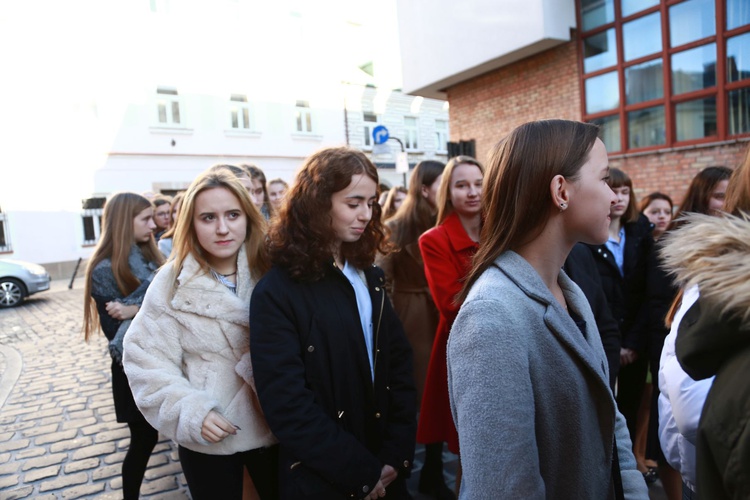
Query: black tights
[{"x": 143, "y": 438}]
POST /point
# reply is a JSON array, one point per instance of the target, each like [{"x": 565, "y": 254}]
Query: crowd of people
[{"x": 296, "y": 340}]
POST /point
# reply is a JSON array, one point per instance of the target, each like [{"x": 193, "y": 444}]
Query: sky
[{"x": 71, "y": 67}]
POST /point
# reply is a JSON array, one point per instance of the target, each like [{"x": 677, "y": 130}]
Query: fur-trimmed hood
[{"x": 713, "y": 253}]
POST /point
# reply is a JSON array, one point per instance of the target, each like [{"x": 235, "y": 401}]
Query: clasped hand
[
  {"x": 216, "y": 428},
  {"x": 120, "y": 311}
]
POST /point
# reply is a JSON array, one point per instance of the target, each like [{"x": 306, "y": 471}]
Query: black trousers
[{"x": 220, "y": 476}]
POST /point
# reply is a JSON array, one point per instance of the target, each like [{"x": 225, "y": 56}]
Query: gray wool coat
[{"x": 530, "y": 393}]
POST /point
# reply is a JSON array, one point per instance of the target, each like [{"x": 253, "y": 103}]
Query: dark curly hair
[{"x": 301, "y": 237}]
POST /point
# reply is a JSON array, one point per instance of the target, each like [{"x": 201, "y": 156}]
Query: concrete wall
[{"x": 444, "y": 42}]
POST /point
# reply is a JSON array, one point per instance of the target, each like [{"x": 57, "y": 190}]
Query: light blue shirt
[
  {"x": 364, "y": 305},
  {"x": 618, "y": 250}
]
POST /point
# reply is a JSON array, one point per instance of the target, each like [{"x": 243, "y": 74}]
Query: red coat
[{"x": 447, "y": 251}]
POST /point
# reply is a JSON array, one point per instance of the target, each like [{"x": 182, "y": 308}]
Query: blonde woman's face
[
  {"x": 466, "y": 189},
  {"x": 220, "y": 226}
]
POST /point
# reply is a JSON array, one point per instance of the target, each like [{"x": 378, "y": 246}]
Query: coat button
[
  {"x": 377, "y": 288},
  {"x": 377, "y": 415},
  {"x": 208, "y": 306},
  {"x": 310, "y": 348},
  {"x": 365, "y": 489},
  {"x": 406, "y": 463},
  {"x": 605, "y": 255}
]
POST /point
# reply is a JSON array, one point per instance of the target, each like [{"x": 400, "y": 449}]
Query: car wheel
[{"x": 11, "y": 292}]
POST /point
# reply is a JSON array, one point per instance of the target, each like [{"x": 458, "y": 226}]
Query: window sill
[
  {"x": 170, "y": 130},
  {"x": 88, "y": 245},
  {"x": 6, "y": 252},
  {"x": 242, "y": 133},
  {"x": 676, "y": 148},
  {"x": 307, "y": 137}
]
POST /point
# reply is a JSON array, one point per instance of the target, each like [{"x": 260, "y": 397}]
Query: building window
[
  {"x": 239, "y": 111},
  {"x": 411, "y": 133},
  {"x": 371, "y": 121},
  {"x": 4, "y": 233},
  {"x": 168, "y": 107},
  {"x": 441, "y": 135},
  {"x": 91, "y": 217},
  {"x": 661, "y": 73},
  {"x": 303, "y": 117}
]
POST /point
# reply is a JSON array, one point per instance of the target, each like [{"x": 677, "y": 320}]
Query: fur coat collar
[
  {"x": 198, "y": 292},
  {"x": 713, "y": 253}
]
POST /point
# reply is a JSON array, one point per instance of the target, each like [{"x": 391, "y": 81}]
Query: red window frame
[{"x": 668, "y": 101}]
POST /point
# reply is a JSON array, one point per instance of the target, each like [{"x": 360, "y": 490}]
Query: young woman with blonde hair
[
  {"x": 117, "y": 276},
  {"x": 447, "y": 250},
  {"x": 187, "y": 353}
]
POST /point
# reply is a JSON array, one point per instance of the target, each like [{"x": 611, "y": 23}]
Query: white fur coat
[{"x": 187, "y": 352}]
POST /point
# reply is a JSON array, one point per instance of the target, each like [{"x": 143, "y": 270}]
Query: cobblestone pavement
[{"x": 58, "y": 434}]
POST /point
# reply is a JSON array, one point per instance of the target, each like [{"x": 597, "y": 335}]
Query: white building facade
[{"x": 162, "y": 90}]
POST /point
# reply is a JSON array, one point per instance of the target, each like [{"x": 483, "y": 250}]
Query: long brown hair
[
  {"x": 186, "y": 240},
  {"x": 115, "y": 243},
  {"x": 516, "y": 192},
  {"x": 415, "y": 215},
  {"x": 445, "y": 207},
  {"x": 301, "y": 237},
  {"x": 699, "y": 193}
]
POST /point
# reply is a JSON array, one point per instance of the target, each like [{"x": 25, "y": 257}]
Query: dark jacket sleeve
[
  {"x": 580, "y": 266},
  {"x": 302, "y": 427},
  {"x": 706, "y": 338}
]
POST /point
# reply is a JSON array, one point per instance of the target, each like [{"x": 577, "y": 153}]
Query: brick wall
[
  {"x": 672, "y": 170},
  {"x": 547, "y": 85},
  {"x": 542, "y": 86}
]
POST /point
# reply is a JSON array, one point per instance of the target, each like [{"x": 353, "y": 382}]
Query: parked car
[{"x": 20, "y": 279}]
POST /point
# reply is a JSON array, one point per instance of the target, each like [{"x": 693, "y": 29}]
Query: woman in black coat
[
  {"x": 332, "y": 365},
  {"x": 622, "y": 262}
]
